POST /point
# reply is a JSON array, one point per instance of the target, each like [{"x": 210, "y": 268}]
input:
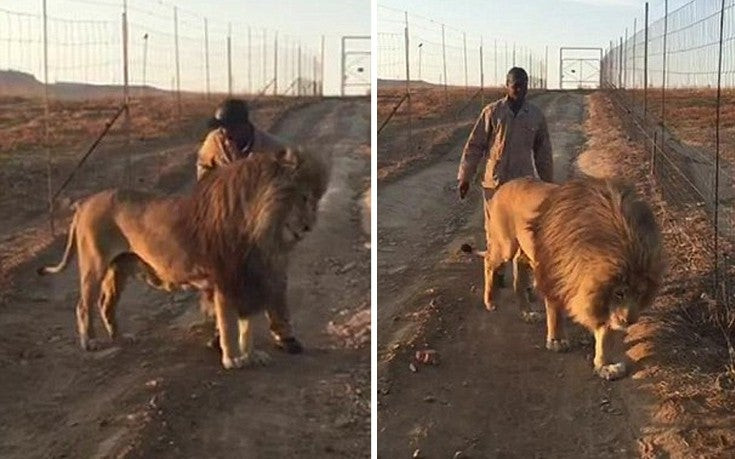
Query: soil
[
  {"x": 496, "y": 391},
  {"x": 166, "y": 395}
]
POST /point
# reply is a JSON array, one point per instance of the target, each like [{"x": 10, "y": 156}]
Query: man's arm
[
  {"x": 475, "y": 149},
  {"x": 476, "y": 146},
  {"x": 542, "y": 156}
]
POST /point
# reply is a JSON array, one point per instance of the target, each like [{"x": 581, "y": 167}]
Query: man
[
  {"x": 234, "y": 137},
  {"x": 513, "y": 135}
]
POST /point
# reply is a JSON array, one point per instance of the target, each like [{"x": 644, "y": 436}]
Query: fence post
[
  {"x": 275, "y": 64},
  {"x": 298, "y": 79},
  {"x": 265, "y": 63},
  {"x": 342, "y": 73},
  {"x": 717, "y": 153},
  {"x": 321, "y": 71},
  {"x": 444, "y": 61},
  {"x": 229, "y": 59},
  {"x": 645, "y": 70},
  {"x": 250, "y": 62},
  {"x": 625, "y": 60},
  {"x": 126, "y": 95},
  {"x": 482, "y": 77},
  {"x": 620, "y": 64},
  {"x": 663, "y": 77},
  {"x": 495, "y": 60},
  {"x": 206, "y": 55},
  {"x": 635, "y": 25},
  {"x": 464, "y": 47},
  {"x": 408, "y": 84},
  {"x": 546, "y": 68},
  {"x": 176, "y": 51},
  {"x": 561, "y": 69},
  {"x": 46, "y": 121},
  {"x": 514, "y": 54}
]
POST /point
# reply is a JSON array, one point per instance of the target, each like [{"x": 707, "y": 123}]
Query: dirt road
[
  {"x": 166, "y": 395},
  {"x": 496, "y": 392}
]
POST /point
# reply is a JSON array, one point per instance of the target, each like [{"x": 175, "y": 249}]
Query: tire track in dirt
[
  {"x": 497, "y": 392},
  {"x": 166, "y": 395}
]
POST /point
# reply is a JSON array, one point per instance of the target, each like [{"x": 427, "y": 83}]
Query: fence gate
[
  {"x": 355, "y": 78},
  {"x": 580, "y": 67}
]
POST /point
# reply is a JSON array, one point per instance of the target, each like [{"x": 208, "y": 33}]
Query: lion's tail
[
  {"x": 466, "y": 248},
  {"x": 67, "y": 252}
]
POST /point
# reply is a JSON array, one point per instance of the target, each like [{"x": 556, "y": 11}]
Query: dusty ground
[
  {"x": 166, "y": 395},
  {"x": 496, "y": 392}
]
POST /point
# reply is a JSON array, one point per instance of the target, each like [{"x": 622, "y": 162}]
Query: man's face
[{"x": 517, "y": 87}]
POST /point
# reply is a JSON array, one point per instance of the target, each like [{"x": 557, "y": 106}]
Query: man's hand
[{"x": 463, "y": 187}]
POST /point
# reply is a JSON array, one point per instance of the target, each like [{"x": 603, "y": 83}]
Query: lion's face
[
  {"x": 626, "y": 302},
  {"x": 302, "y": 217}
]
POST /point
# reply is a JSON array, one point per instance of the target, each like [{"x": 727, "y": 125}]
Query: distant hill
[{"x": 15, "y": 83}]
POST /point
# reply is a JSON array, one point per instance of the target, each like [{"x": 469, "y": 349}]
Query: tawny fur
[
  {"x": 230, "y": 236},
  {"x": 595, "y": 249}
]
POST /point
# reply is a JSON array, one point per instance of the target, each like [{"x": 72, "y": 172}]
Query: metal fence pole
[
  {"x": 546, "y": 69},
  {"x": 444, "y": 61},
  {"x": 298, "y": 79},
  {"x": 342, "y": 73},
  {"x": 265, "y": 53},
  {"x": 717, "y": 152},
  {"x": 663, "y": 76},
  {"x": 178, "y": 69},
  {"x": 126, "y": 96},
  {"x": 229, "y": 59},
  {"x": 464, "y": 47},
  {"x": 47, "y": 121},
  {"x": 250, "y": 62},
  {"x": 408, "y": 83},
  {"x": 321, "y": 71},
  {"x": 206, "y": 56},
  {"x": 482, "y": 77},
  {"x": 561, "y": 69},
  {"x": 275, "y": 64},
  {"x": 625, "y": 60},
  {"x": 495, "y": 61},
  {"x": 645, "y": 68},
  {"x": 620, "y": 64},
  {"x": 635, "y": 25}
]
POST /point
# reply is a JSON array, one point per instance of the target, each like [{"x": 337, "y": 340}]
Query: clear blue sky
[
  {"x": 534, "y": 24},
  {"x": 298, "y": 21}
]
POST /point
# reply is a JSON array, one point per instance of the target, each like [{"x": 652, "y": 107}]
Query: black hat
[{"x": 231, "y": 112}]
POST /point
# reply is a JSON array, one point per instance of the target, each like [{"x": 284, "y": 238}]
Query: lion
[
  {"x": 595, "y": 249},
  {"x": 231, "y": 236}
]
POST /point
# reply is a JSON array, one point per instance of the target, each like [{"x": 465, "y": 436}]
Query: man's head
[
  {"x": 516, "y": 84},
  {"x": 232, "y": 115}
]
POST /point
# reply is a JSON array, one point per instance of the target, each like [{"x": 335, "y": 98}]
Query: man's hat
[{"x": 231, "y": 112}]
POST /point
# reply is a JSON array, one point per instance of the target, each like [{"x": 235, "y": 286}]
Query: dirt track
[
  {"x": 496, "y": 392},
  {"x": 166, "y": 395}
]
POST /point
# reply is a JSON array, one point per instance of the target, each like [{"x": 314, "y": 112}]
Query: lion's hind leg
[
  {"x": 113, "y": 283},
  {"x": 495, "y": 257},
  {"x": 522, "y": 287},
  {"x": 247, "y": 350}
]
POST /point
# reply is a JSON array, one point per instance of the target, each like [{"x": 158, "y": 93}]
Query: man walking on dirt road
[
  {"x": 512, "y": 133},
  {"x": 234, "y": 137}
]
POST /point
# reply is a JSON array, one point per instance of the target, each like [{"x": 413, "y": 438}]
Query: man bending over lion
[{"x": 234, "y": 137}]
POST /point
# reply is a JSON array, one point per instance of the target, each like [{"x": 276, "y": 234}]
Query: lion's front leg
[
  {"x": 605, "y": 370},
  {"x": 227, "y": 324},
  {"x": 555, "y": 336},
  {"x": 250, "y": 355}
]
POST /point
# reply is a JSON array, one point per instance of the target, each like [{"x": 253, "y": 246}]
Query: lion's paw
[
  {"x": 557, "y": 345},
  {"x": 531, "y": 317},
  {"x": 490, "y": 305},
  {"x": 230, "y": 363},
  {"x": 93, "y": 344},
  {"x": 612, "y": 371}
]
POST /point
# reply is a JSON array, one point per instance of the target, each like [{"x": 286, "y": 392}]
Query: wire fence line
[
  {"x": 675, "y": 76},
  {"x": 156, "y": 58}
]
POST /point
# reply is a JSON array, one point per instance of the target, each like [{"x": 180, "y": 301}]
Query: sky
[
  {"x": 532, "y": 24},
  {"x": 89, "y": 48}
]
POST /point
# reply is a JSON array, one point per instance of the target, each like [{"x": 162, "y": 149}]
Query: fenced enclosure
[
  {"x": 673, "y": 74},
  {"x": 426, "y": 67},
  {"x": 78, "y": 76}
]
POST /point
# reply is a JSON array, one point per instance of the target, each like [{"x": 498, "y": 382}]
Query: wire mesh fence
[
  {"x": 165, "y": 65},
  {"x": 675, "y": 74},
  {"x": 428, "y": 70}
]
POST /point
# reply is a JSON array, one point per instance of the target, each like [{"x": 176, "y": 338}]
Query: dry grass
[
  {"x": 438, "y": 121},
  {"x": 691, "y": 114},
  {"x": 77, "y": 123}
]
